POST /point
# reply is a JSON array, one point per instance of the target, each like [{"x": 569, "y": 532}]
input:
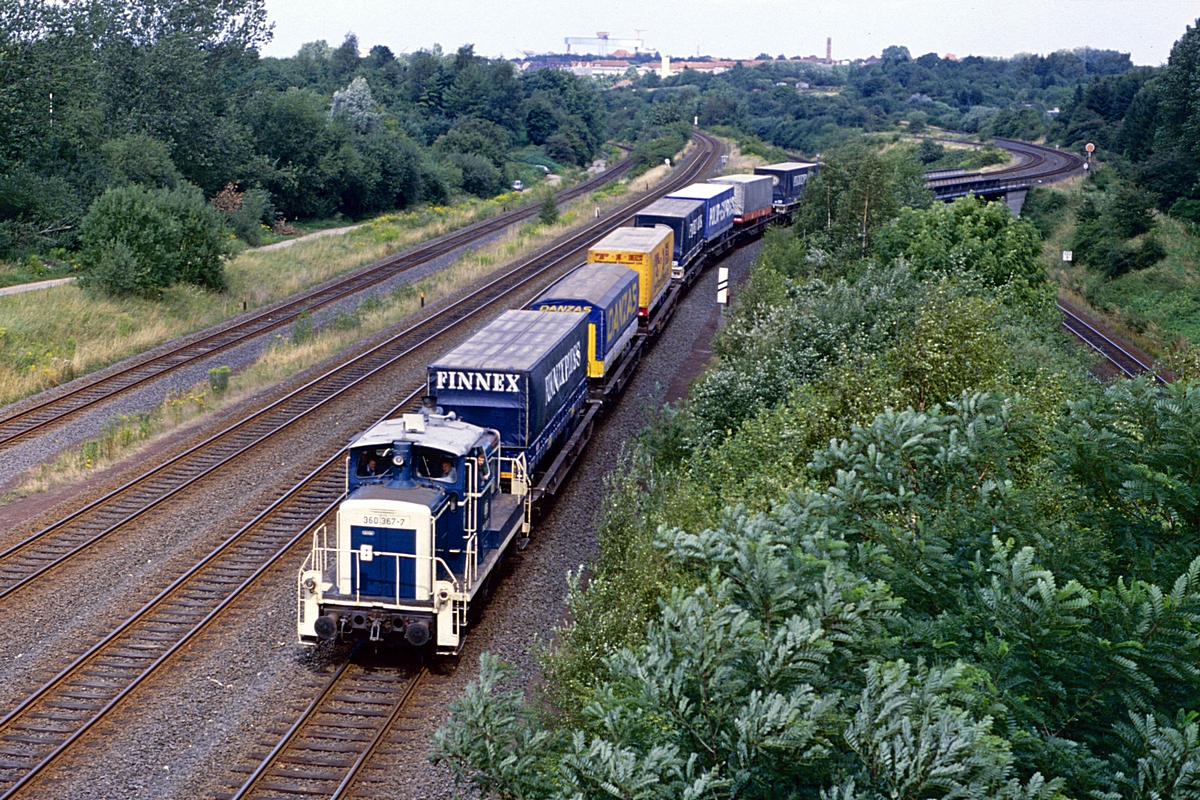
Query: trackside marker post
[{"x": 722, "y": 285}]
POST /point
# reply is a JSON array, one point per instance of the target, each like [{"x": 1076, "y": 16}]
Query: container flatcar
[
  {"x": 752, "y": 196},
  {"x": 790, "y": 178},
  {"x": 524, "y": 375},
  {"x": 608, "y": 294},
  {"x": 647, "y": 251},
  {"x": 686, "y": 219}
]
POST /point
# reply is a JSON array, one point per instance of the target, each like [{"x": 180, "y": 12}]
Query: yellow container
[{"x": 646, "y": 250}]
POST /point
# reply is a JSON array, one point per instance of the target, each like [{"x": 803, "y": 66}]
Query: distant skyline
[{"x": 743, "y": 28}]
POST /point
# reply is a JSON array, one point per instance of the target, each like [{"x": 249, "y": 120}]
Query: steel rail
[
  {"x": 1089, "y": 334},
  {"x": 292, "y": 738}
]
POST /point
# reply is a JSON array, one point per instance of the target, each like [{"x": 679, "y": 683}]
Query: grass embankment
[
  {"x": 1158, "y": 307},
  {"x": 305, "y": 347},
  {"x": 53, "y": 335}
]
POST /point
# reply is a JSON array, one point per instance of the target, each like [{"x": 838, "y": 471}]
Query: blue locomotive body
[
  {"x": 423, "y": 527},
  {"x": 436, "y": 499}
]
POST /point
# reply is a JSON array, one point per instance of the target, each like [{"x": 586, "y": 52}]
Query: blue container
[
  {"x": 720, "y": 206},
  {"x": 790, "y": 178},
  {"x": 525, "y": 375},
  {"x": 608, "y": 294},
  {"x": 685, "y": 217}
]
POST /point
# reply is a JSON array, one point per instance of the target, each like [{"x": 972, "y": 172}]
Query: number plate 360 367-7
[{"x": 383, "y": 521}]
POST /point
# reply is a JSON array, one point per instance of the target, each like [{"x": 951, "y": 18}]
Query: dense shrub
[{"x": 139, "y": 241}]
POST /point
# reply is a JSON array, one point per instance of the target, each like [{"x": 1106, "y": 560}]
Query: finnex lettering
[{"x": 477, "y": 381}]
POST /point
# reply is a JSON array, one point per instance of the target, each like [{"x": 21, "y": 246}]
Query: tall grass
[
  {"x": 50, "y": 336},
  {"x": 1158, "y": 307}
]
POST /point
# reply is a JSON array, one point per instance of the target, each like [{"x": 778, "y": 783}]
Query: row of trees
[
  {"x": 992, "y": 96},
  {"x": 930, "y": 559},
  {"x": 96, "y": 95}
]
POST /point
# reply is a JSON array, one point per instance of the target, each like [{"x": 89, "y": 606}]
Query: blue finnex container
[
  {"x": 685, "y": 217},
  {"x": 525, "y": 375}
]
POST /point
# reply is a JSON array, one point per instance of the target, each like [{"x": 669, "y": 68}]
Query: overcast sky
[{"x": 743, "y": 28}]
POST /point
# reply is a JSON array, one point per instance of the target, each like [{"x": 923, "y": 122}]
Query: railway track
[
  {"x": 89, "y": 393},
  {"x": 47, "y": 724},
  {"x": 325, "y": 750},
  {"x": 1037, "y": 164},
  {"x": 1114, "y": 353}
]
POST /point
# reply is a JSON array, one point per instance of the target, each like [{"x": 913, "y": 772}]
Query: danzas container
[
  {"x": 646, "y": 250},
  {"x": 790, "y": 178},
  {"x": 524, "y": 374},
  {"x": 686, "y": 220},
  {"x": 608, "y": 294},
  {"x": 718, "y": 207},
  {"x": 752, "y": 195}
]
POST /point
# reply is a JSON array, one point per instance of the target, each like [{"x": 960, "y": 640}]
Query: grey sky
[{"x": 744, "y": 28}]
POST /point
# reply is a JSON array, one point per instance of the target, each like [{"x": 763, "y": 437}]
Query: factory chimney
[{"x": 829, "y": 50}]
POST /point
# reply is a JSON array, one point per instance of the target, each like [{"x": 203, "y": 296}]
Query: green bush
[
  {"x": 140, "y": 241},
  {"x": 302, "y": 328},
  {"x": 218, "y": 379},
  {"x": 548, "y": 213},
  {"x": 479, "y": 176},
  {"x": 1186, "y": 210}
]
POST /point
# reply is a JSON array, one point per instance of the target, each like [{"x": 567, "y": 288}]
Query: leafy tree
[
  {"x": 548, "y": 212},
  {"x": 141, "y": 159},
  {"x": 969, "y": 236},
  {"x": 855, "y": 193},
  {"x": 355, "y": 105}
]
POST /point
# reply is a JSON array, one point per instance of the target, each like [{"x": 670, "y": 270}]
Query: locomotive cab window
[
  {"x": 371, "y": 465},
  {"x": 482, "y": 465},
  {"x": 434, "y": 465}
]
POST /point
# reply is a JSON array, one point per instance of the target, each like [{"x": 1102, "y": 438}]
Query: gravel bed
[
  {"x": 56, "y": 621},
  {"x": 40, "y": 448},
  {"x": 181, "y": 735}
]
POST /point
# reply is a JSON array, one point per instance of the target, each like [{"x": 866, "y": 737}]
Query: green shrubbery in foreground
[{"x": 897, "y": 545}]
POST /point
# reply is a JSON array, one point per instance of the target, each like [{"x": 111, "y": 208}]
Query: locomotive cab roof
[{"x": 435, "y": 431}]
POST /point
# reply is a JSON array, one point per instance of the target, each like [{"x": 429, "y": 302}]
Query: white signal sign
[
  {"x": 722, "y": 285},
  {"x": 1068, "y": 255}
]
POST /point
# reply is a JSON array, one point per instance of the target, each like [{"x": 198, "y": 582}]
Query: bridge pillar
[{"x": 1015, "y": 199}]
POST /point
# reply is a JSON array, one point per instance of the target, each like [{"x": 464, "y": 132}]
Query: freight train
[{"x": 436, "y": 499}]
